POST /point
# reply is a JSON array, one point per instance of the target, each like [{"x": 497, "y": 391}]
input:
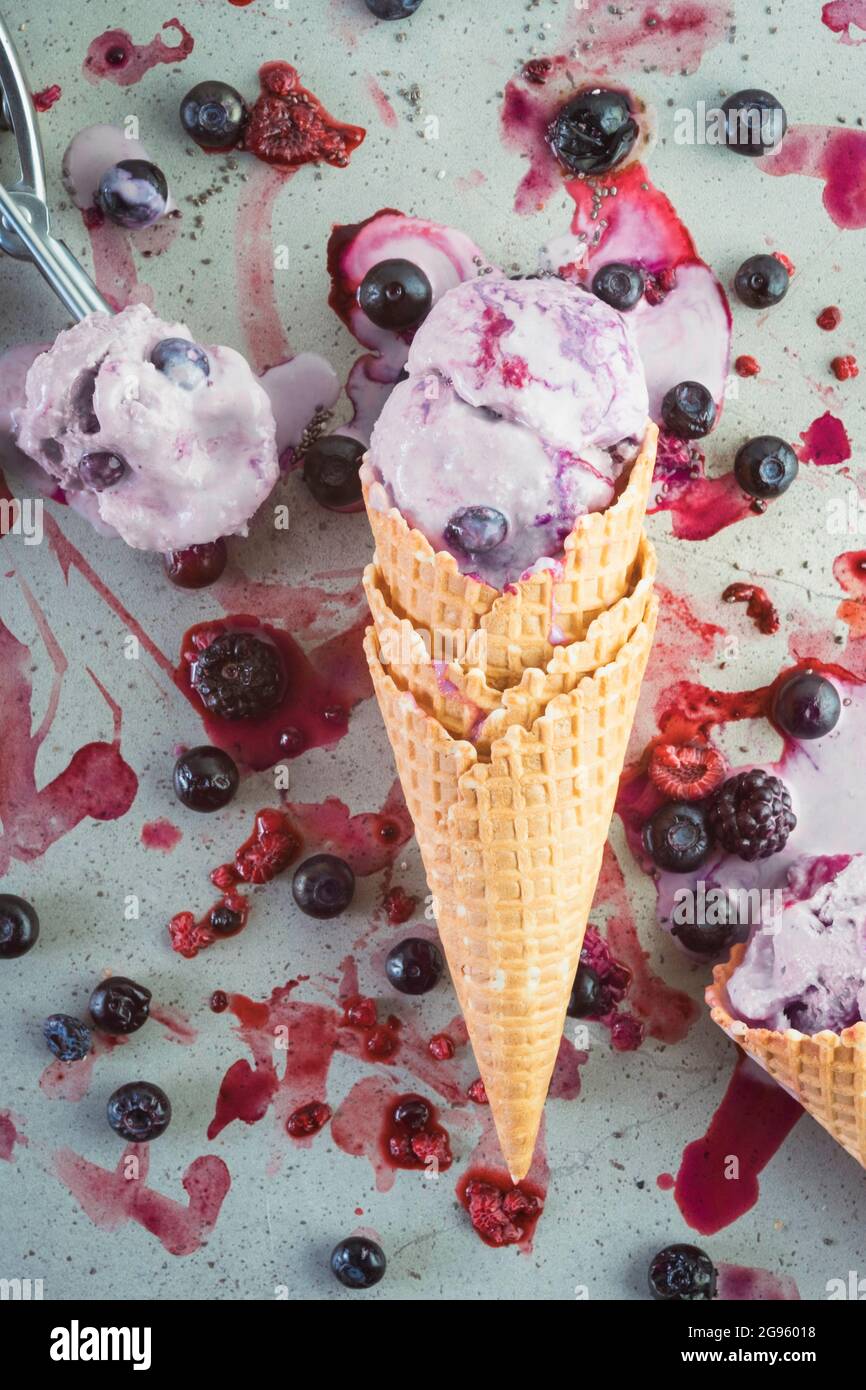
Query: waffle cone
[
  {"x": 512, "y": 848},
  {"x": 826, "y": 1072},
  {"x": 463, "y": 700},
  {"x": 426, "y": 587}
]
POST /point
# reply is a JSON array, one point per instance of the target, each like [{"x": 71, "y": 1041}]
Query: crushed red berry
[
  {"x": 441, "y": 1047},
  {"x": 537, "y": 71},
  {"x": 361, "y": 1012},
  {"x": 399, "y": 906},
  {"x": 381, "y": 1042},
  {"x": 219, "y": 1001},
  {"x": 501, "y": 1214},
  {"x": 786, "y": 262},
  {"x": 747, "y": 366},
  {"x": 829, "y": 318},
  {"x": 268, "y": 851},
  {"x": 288, "y": 126},
  {"x": 759, "y": 606},
  {"x": 659, "y": 285},
  {"x": 844, "y": 368},
  {"x": 686, "y": 772},
  {"x": 189, "y": 936},
  {"x": 477, "y": 1092},
  {"x": 626, "y": 1033},
  {"x": 308, "y": 1119}
]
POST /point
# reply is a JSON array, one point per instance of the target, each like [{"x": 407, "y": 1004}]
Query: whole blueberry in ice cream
[
  {"x": 476, "y": 529},
  {"x": 101, "y": 470},
  {"x": 133, "y": 193},
  {"x": 682, "y": 1274},
  {"x": 593, "y": 132},
  {"x": 619, "y": 284},
  {"x": 807, "y": 705},
  {"x": 213, "y": 115},
  {"x": 765, "y": 466},
  {"x": 688, "y": 410},
  {"x": 184, "y": 363},
  {"x": 395, "y": 294},
  {"x": 676, "y": 836}
]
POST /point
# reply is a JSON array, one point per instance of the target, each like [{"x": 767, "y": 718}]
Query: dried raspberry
[
  {"x": 289, "y": 126},
  {"x": 844, "y": 368},
  {"x": 427, "y": 1145},
  {"x": 188, "y": 937},
  {"x": 495, "y": 1213},
  {"x": 686, "y": 772},
  {"x": 829, "y": 318},
  {"x": 271, "y": 848}
]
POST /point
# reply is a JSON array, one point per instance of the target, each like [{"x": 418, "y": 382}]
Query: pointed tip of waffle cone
[{"x": 512, "y": 847}]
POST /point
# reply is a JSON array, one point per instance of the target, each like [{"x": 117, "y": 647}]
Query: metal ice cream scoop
[{"x": 25, "y": 223}]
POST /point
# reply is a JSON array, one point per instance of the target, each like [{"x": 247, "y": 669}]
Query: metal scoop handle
[{"x": 25, "y": 230}]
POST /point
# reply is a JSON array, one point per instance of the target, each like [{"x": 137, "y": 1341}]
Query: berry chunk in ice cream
[
  {"x": 805, "y": 967},
  {"x": 174, "y": 442},
  {"x": 525, "y": 402}
]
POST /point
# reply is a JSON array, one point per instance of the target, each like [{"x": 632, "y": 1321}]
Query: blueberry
[
  {"x": 585, "y": 993},
  {"x": 197, "y": 565},
  {"x": 213, "y": 114},
  {"x": 205, "y": 778},
  {"x": 707, "y": 938},
  {"x": 358, "y": 1262},
  {"x": 225, "y": 921},
  {"x": 184, "y": 363},
  {"x": 19, "y": 926},
  {"x": 331, "y": 471},
  {"x": 119, "y": 1005},
  {"x": 688, "y": 410},
  {"x": 761, "y": 281},
  {"x": 133, "y": 193},
  {"x": 474, "y": 530},
  {"x": 392, "y": 9},
  {"x": 67, "y": 1037},
  {"x": 807, "y": 705},
  {"x": 765, "y": 466},
  {"x": 593, "y": 131},
  {"x": 323, "y": 886},
  {"x": 755, "y": 121},
  {"x": 414, "y": 966},
  {"x": 139, "y": 1112},
  {"x": 412, "y": 1113},
  {"x": 101, "y": 470},
  {"x": 395, "y": 294},
  {"x": 619, "y": 284},
  {"x": 682, "y": 1274},
  {"x": 676, "y": 836}
]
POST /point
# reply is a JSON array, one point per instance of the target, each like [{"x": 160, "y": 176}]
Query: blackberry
[
  {"x": 239, "y": 676},
  {"x": 751, "y": 816}
]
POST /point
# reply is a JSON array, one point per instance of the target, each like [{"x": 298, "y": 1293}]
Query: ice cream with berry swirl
[{"x": 525, "y": 403}]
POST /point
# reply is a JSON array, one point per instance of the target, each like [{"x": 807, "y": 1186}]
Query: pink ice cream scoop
[
  {"x": 526, "y": 401},
  {"x": 805, "y": 965},
  {"x": 174, "y": 443}
]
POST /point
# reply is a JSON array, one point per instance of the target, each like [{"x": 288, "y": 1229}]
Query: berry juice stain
[
  {"x": 835, "y": 156},
  {"x": 10, "y": 1135},
  {"x": 750, "y": 1125},
  {"x": 113, "y": 1199},
  {"x": 160, "y": 834},
  {"x": 825, "y": 442},
  {"x": 743, "y": 1284},
  {"x": 113, "y": 56},
  {"x": 315, "y": 689}
]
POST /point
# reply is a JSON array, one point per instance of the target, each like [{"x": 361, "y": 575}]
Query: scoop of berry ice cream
[
  {"x": 805, "y": 967},
  {"x": 525, "y": 402},
  {"x": 173, "y": 442}
]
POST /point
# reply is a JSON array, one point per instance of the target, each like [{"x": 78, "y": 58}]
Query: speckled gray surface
[{"x": 604, "y": 1213}]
